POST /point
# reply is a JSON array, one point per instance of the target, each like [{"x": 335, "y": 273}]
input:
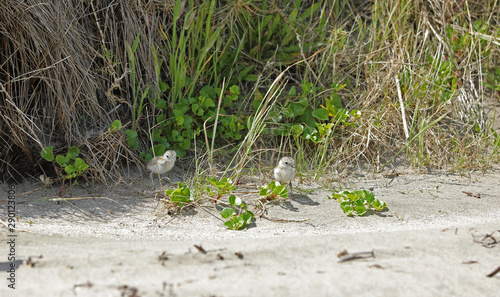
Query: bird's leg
[
  {"x": 291, "y": 188},
  {"x": 152, "y": 181}
]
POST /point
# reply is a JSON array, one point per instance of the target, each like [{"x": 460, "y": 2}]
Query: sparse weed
[
  {"x": 180, "y": 195},
  {"x": 238, "y": 216},
  {"x": 191, "y": 115},
  {"x": 219, "y": 187},
  {"x": 272, "y": 191},
  {"x": 358, "y": 202},
  {"x": 132, "y": 140},
  {"x": 493, "y": 79},
  {"x": 137, "y": 105},
  {"x": 115, "y": 126},
  {"x": 70, "y": 163}
]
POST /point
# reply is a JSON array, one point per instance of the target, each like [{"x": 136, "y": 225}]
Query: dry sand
[{"x": 430, "y": 242}]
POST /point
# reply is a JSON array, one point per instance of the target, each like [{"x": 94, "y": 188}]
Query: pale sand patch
[{"x": 114, "y": 246}]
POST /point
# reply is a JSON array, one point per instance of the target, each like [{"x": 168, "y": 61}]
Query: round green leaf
[
  {"x": 227, "y": 212},
  {"x": 369, "y": 196},
  {"x": 62, "y": 160},
  {"x": 297, "y": 129},
  {"x": 321, "y": 114},
  {"x": 360, "y": 210},
  {"x": 73, "y": 152},
  {"x": 163, "y": 86},
  {"x": 346, "y": 206},
  {"x": 209, "y": 103},
  {"x": 250, "y": 214},
  {"x": 116, "y": 125},
  {"x": 239, "y": 222},
  {"x": 230, "y": 225},
  {"x": 80, "y": 165},
  {"x": 158, "y": 150},
  {"x": 379, "y": 205},
  {"x": 70, "y": 169},
  {"x": 179, "y": 120},
  {"x": 232, "y": 200},
  {"x": 48, "y": 153},
  {"x": 234, "y": 90},
  {"x": 131, "y": 133}
]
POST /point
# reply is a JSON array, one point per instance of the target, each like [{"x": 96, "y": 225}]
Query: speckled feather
[
  {"x": 285, "y": 171},
  {"x": 162, "y": 164}
]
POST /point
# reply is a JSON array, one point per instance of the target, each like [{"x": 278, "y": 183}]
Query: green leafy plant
[
  {"x": 315, "y": 125},
  {"x": 70, "y": 163},
  {"x": 191, "y": 115},
  {"x": 273, "y": 191},
  {"x": 238, "y": 216},
  {"x": 195, "y": 47},
  {"x": 161, "y": 145},
  {"x": 219, "y": 188},
  {"x": 358, "y": 202},
  {"x": 493, "y": 79},
  {"x": 115, "y": 126},
  {"x": 299, "y": 110},
  {"x": 132, "y": 140},
  {"x": 137, "y": 105},
  {"x": 48, "y": 153},
  {"x": 272, "y": 35},
  {"x": 180, "y": 195}
]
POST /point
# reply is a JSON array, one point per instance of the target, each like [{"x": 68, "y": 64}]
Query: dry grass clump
[
  {"x": 55, "y": 78},
  {"x": 48, "y": 89},
  {"x": 436, "y": 54},
  {"x": 104, "y": 153}
]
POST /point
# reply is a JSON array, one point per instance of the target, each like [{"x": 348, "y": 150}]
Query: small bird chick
[
  {"x": 162, "y": 164},
  {"x": 285, "y": 171}
]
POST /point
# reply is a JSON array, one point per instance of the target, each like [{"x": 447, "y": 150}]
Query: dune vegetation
[{"x": 234, "y": 85}]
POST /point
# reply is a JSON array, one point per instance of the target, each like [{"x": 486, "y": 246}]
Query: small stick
[
  {"x": 200, "y": 249},
  {"x": 283, "y": 220},
  {"x": 356, "y": 256},
  {"x": 478, "y": 196},
  {"x": 204, "y": 251},
  {"x": 494, "y": 272}
]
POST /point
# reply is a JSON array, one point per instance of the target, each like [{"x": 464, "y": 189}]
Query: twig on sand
[
  {"x": 283, "y": 220},
  {"x": 200, "y": 249},
  {"x": 357, "y": 256},
  {"x": 478, "y": 196},
  {"x": 494, "y": 272},
  {"x": 205, "y": 251},
  {"x": 488, "y": 240}
]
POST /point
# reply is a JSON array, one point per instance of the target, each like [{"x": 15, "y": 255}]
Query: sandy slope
[{"x": 426, "y": 244}]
